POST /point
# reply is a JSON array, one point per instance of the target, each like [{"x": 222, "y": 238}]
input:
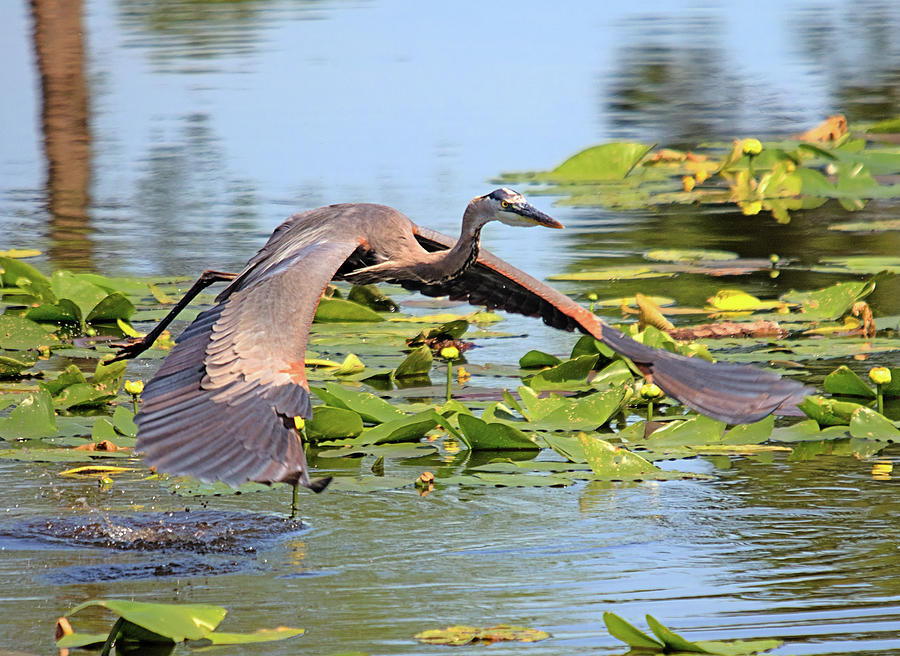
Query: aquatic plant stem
[
  {"x": 114, "y": 634},
  {"x": 294, "y": 497},
  {"x": 449, "y": 379},
  {"x": 880, "y": 396}
]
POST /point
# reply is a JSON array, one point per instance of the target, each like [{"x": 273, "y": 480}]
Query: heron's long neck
[{"x": 453, "y": 263}]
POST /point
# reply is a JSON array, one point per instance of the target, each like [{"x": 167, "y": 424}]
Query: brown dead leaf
[
  {"x": 831, "y": 129},
  {"x": 104, "y": 445},
  {"x": 861, "y": 309},
  {"x": 724, "y": 329}
]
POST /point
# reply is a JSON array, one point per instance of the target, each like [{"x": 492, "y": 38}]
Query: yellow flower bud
[
  {"x": 880, "y": 375},
  {"x": 134, "y": 387},
  {"x": 752, "y": 208},
  {"x": 299, "y": 423},
  {"x": 650, "y": 391},
  {"x": 688, "y": 182},
  {"x": 751, "y": 146},
  {"x": 450, "y": 353}
]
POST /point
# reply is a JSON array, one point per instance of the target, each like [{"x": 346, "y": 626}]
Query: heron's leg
[{"x": 206, "y": 279}]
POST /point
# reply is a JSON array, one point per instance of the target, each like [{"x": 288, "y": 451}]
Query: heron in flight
[{"x": 224, "y": 402}]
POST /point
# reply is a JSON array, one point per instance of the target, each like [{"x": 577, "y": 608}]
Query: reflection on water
[
  {"x": 177, "y": 134},
  {"x": 59, "y": 49}
]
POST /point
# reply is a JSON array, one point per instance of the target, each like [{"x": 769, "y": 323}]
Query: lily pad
[
  {"x": 612, "y": 161},
  {"x": 333, "y": 310},
  {"x": 465, "y": 635},
  {"x": 329, "y": 423},
  {"x": 368, "y": 406},
  {"x": 868, "y": 424},
  {"x": 832, "y": 302},
  {"x": 480, "y": 435},
  {"x": 568, "y": 374},
  {"x": 612, "y": 462},
  {"x": 417, "y": 363},
  {"x": 828, "y": 412},
  {"x": 538, "y": 359},
  {"x": 33, "y": 417},
  {"x": 844, "y": 381},
  {"x": 21, "y": 334}
]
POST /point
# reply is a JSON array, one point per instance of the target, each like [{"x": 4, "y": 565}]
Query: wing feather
[
  {"x": 223, "y": 402},
  {"x": 728, "y": 392}
]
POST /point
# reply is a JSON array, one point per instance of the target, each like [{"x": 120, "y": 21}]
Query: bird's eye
[{"x": 504, "y": 204}]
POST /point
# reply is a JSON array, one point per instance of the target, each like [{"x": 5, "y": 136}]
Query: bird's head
[{"x": 511, "y": 208}]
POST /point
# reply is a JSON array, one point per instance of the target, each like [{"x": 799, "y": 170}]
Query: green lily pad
[
  {"x": 76, "y": 640},
  {"x": 464, "y": 635},
  {"x": 831, "y": 302},
  {"x": 867, "y": 226},
  {"x": 26, "y": 277},
  {"x": 670, "y": 642},
  {"x": 629, "y": 634},
  {"x": 480, "y": 435},
  {"x": 612, "y": 462},
  {"x": 33, "y": 417},
  {"x": 538, "y": 359},
  {"x": 568, "y": 374},
  {"x": 583, "y": 413},
  {"x": 112, "y": 308},
  {"x": 696, "y": 431},
  {"x": 828, "y": 412},
  {"x": 21, "y": 334},
  {"x": 263, "y": 635},
  {"x": 417, "y": 363},
  {"x": 689, "y": 255},
  {"x": 333, "y": 310},
  {"x": 868, "y": 424},
  {"x": 633, "y": 272},
  {"x": 369, "y": 483},
  {"x": 330, "y": 423},
  {"x": 844, "y": 381},
  {"x": 12, "y": 368},
  {"x": 371, "y": 408},
  {"x": 612, "y": 161},
  {"x": 407, "y": 429},
  {"x": 755, "y": 433}
]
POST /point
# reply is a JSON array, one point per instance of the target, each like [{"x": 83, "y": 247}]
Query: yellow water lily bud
[
  {"x": 880, "y": 375},
  {"x": 299, "y": 423},
  {"x": 650, "y": 391},
  {"x": 701, "y": 175},
  {"x": 774, "y": 258},
  {"x": 751, "y": 146},
  {"x": 450, "y": 353},
  {"x": 134, "y": 387},
  {"x": 688, "y": 182},
  {"x": 751, "y": 209},
  {"x": 593, "y": 296}
]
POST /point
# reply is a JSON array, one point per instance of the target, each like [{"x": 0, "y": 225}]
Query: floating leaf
[
  {"x": 634, "y": 272},
  {"x": 689, "y": 255},
  {"x": 329, "y": 423},
  {"x": 417, "y": 363},
  {"x": 34, "y": 417},
  {"x": 480, "y": 435},
  {"x": 612, "y": 462},
  {"x": 568, "y": 374},
  {"x": 868, "y": 424},
  {"x": 263, "y": 635},
  {"x": 755, "y": 433},
  {"x": 696, "y": 431},
  {"x": 114, "y": 307},
  {"x": 844, "y": 381},
  {"x": 831, "y": 302},
  {"x": 20, "y": 252},
  {"x": 336, "y": 310},
  {"x": 629, "y": 634},
  {"x": 464, "y": 635},
  {"x": 368, "y": 406},
  {"x": 828, "y": 412},
  {"x": 612, "y": 161},
  {"x": 535, "y": 359},
  {"x": 21, "y": 334},
  {"x": 671, "y": 640},
  {"x": 407, "y": 429}
]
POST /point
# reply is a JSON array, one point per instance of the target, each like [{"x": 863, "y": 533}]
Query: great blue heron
[{"x": 224, "y": 402}]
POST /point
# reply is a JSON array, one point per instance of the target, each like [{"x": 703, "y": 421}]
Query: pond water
[{"x": 175, "y": 135}]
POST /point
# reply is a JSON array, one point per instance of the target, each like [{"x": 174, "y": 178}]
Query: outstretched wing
[
  {"x": 222, "y": 405},
  {"x": 728, "y": 392}
]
